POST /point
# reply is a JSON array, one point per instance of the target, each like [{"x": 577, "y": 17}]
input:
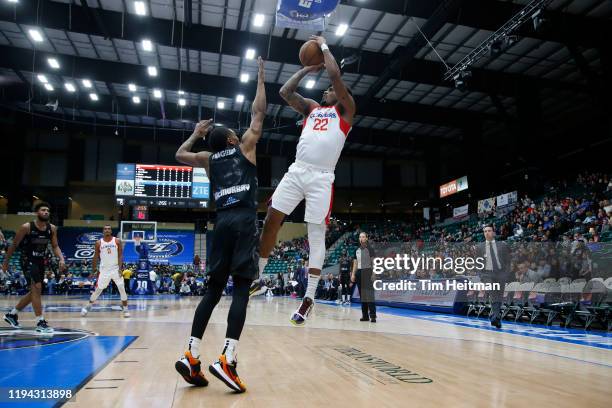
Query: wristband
[{"x": 324, "y": 47}]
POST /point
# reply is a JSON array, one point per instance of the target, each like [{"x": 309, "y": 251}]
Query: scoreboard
[{"x": 161, "y": 185}]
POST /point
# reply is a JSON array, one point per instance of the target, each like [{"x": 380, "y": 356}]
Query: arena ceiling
[{"x": 404, "y": 102}]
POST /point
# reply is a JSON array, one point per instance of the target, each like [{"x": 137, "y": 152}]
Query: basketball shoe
[
  {"x": 189, "y": 368},
  {"x": 43, "y": 327},
  {"x": 227, "y": 373},
  {"x": 85, "y": 310},
  {"x": 257, "y": 288},
  {"x": 301, "y": 314},
  {"x": 13, "y": 320}
]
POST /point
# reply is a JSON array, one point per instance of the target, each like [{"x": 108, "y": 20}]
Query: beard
[
  {"x": 324, "y": 102},
  {"x": 42, "y": 218}
]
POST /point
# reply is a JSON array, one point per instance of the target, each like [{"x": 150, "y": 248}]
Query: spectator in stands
[
  {"x": 543, "y": 269},
  {"x": 185, "y": 289},
  {"x": 50, "y": 282},
  {"x": 153, "y": 280},
  {"x": 3, "y": 243}
]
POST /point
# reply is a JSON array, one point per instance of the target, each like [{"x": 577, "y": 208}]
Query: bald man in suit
[{"x": 497, "y": 269}]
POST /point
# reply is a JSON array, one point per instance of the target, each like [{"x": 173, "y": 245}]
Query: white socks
[
  {"x": 40, "y": 318},
  {"x": 313, "y": 281},
  {"x": 230, "y": 350},
  {"x": 262, "y": 265},
  {"x": 14, "y": 311},
  {"x": 193, "y": 345}
]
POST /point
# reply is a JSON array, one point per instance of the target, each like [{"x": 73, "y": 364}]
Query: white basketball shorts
[
  {"x": 105, "y": 277},
  {"x": 303, "y": 181}
]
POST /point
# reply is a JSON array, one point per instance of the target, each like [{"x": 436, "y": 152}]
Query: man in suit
[{"x": 497, "y": 270}]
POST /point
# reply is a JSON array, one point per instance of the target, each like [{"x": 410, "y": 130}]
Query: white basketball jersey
[
  {"x": 323, "y": 135},
  {"x": 109, "y": 254}
]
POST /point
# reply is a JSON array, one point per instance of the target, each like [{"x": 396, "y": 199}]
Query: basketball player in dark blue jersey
[
  {"x": 36, "y": 236},
  {"x": 231, "y": 168}
]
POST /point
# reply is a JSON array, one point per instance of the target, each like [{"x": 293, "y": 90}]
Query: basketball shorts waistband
[{"x": 309, "y": 166}]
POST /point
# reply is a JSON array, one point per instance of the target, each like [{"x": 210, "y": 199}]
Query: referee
[{"x": 362, "y": 276}]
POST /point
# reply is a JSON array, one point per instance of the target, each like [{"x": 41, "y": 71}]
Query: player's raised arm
[
  {"x": 186, "y": 156},
  {"x": 21, "y": 233},
  {"x": 333, "y": 70},
  {"x": 295, "y": 100},
  {"x": 258, "y": 114}
]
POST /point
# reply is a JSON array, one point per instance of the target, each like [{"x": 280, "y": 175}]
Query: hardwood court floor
[{"x": 336, "y": 361}]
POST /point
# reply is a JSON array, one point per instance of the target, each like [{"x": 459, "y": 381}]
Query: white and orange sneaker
[
  {"x": 189, "y": 367},
  {"x": 227, "y": 373}
]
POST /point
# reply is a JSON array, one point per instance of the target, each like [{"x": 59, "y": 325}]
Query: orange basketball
[{"x": 311, "y": 54}]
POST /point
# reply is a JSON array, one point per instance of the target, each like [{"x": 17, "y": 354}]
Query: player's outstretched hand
[
  {"x": 261, "y": 71},
  {"x": 62, "y": 266},
  {"x": 319, "y": 39},
  {"x": 203, "y": 126}
]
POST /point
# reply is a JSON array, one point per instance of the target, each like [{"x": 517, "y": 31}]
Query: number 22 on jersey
[{"x": 321, "y": 124}]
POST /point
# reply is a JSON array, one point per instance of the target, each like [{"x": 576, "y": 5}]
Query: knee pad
[{"x": 316, "y": 240}]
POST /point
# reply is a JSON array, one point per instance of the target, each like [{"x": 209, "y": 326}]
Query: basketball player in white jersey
[
  {"x": 110, "y": 253},
  {"x": 311, "y": 176}
]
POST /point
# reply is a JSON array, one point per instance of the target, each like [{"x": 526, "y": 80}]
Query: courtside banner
[
  {"x": 304, "y": 14},
  {"x": 172, "y": 246}
]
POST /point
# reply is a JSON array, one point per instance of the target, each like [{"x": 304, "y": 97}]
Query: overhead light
[
  {"x": 147, "y": 45},
  {"x": 13, "y": 1},
  {"x": 53, "y": 63},
  {"x": 136, "y": 99},
  {"x": 310, "y": 84},
  {"x": 42, "y": 78},
  {"x": 341, "y": 29},
  {"x": 181, "y": 92},
  {"x": 218, "y": 124},
  {"x": 244, "y": 77},
  {"x": 140, "y": 8},
  {"x": 93, "y": 96},
  {"x": 157, "y": 93},
  {"x": 220, "y": 105},
  {"x": 36, "y": 198},
  {"x": 35, "y": 35},
  {"x": 152, "y": 71},
  {"x": 240, "y": 98},
  {"x": 461, "y": 80},
  {"x": 70, "y": 198},
  {"x": 182, "y": 101},
  {"x": 49, "y": 87},
  {"x": 132, "y": 87},
  {"x": 86, "y": 83},
  {"x": 69, "y": 87},
  {"x": 250, "y": 54},
  {"x": 258, "y": 20}
]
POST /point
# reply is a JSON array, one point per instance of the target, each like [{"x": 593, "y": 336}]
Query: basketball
[{"x": 311, "y": 54}]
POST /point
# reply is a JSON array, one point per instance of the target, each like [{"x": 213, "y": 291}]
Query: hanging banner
[
  {"x": 459, "y": 212},
  {"x": 506, "y": 199},
  {"x": 453, "y": 187},
  {"x": 486, "y": 205},
  {"x": 304, "y": 14},
  {"x": 426, "y": 214}
]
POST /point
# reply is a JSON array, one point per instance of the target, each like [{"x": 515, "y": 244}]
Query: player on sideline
[
  {"x": 36, "y": 235},
  {"x": 231, "y": 168},
  {"x": 311, "y": 176},
  {"x": 110, "y": 253}
]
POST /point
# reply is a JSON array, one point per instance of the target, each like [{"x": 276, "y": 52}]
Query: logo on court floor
[
  {"x": 353, "y": 361},
  {"x": 28, "y": 337}
]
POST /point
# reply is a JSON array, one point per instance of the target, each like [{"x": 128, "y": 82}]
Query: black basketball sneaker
[
  {"x": 43, "y": 327},
  {"x": 13, "y": 320},
  {"x": 189, "y": 368}
]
